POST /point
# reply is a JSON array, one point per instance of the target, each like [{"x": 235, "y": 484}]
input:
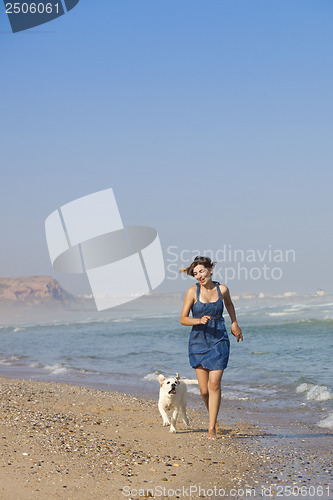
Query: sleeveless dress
[{"x": 209, "y": 344}]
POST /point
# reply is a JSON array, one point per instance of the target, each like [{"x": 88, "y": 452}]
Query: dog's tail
[{"x": 189, "y": 381}]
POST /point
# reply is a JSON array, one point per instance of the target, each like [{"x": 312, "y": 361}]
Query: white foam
[
  {"x": 303, "y": 387},
  {"x": 36, "y": 365},
  {"x": 278, "y": 314},
  {"x": 327, "y": 422},
  {"x": 11, "y": 360},
  {"x": 152, "y": 377},
  {"x": 193, "y": 389},
  {"x": 55, "y": 369},
  {"x": 315, "y": 392},
  {"x": 234, "y": 396}
]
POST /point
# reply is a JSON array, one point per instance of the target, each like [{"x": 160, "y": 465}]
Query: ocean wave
[
  {"x": 56, "y": 368},
  {"x": 326, "y": 320},
  {"x": 151, "y": 377},
  {"x": 284, "y": 313},
  {"x": 234, "y": 397},
  {"x": 259, "y": 391},
  {"x": 327, "y": 422},
  {"x": 11, "y": 328},
  {"x": 193, "y": 389},
  {"x": 13, "y": 359},
  {"x": 248, "y": 393},
  {"x": 54, "y": 324},
  {"x": 315, "y": 392},
  {"x": 36, "y": 365}
]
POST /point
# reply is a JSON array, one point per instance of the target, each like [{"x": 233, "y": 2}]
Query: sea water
[{"x": 284, "y": 363}]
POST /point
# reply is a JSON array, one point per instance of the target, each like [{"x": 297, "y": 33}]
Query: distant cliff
[{"x": 33, "y": 290}]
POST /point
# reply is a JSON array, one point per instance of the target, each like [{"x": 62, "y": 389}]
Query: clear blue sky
[{"x": 210, "y": 119}]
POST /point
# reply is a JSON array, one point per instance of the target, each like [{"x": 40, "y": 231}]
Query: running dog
[{"x": 173, "y": 396}]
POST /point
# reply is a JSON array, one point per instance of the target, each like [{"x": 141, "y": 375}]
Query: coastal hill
[
  {"x": 37, "y": 298},
  {"x": 34, "y": 290}
]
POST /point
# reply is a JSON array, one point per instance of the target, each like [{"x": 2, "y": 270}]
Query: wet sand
[{"x": 70, "y": 442}]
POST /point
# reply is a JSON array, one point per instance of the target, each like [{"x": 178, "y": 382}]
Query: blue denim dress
[{"x": 209, "y": 344}]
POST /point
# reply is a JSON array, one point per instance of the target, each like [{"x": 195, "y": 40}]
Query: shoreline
[
  {"x": 285, "y": 416},
  {"x": 70, "y": 441}
]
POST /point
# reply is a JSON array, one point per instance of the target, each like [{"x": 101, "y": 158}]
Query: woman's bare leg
[
  {"x": 210, "y": 389},
  {"x": 214, "y": 400},
  {"x": 203, "y": 376}
]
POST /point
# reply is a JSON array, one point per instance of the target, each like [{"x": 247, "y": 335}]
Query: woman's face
[{"x": 202, "y": 274}]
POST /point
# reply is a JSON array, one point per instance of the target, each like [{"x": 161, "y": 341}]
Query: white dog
[{"x": 173, "y": 396}]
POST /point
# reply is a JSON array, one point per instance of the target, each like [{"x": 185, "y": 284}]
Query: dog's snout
[{"x": 173, "y": 388}]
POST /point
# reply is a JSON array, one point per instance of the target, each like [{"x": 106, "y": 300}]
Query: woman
[{"x": 209, "y": 342}]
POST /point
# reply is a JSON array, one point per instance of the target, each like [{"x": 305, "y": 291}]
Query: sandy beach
[{"x": 70, "y": 442}]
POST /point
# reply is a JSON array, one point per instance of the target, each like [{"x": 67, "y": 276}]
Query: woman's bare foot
[
  {"x": 212, "y": 433},
  {"x": 219, "y": 430}
]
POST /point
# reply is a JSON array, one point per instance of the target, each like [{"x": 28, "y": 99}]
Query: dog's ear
[
  {"x": 177, "y": 376},
  {"x": 161, "y": 378}
]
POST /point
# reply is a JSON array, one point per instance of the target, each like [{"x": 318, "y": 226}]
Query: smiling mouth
[{"x": 172, "y": 391}]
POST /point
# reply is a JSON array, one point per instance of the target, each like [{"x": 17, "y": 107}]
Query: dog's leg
[
  {"x": 164, "y": 415},
  {"x": 174, "y": 420},
  {"x": 183, "y": 406},
  {"x": 185, "y": 419}
]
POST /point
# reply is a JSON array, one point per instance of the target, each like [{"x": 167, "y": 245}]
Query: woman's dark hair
[{"x": 204, "y": 261}]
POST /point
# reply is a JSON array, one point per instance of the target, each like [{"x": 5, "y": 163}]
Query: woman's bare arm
[
  {"x": 235, "y": 329},
  {"x": 185, "y": 319}
]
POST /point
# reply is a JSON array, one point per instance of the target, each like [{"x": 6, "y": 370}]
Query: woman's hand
[
  {"x": 236, "y": 331},
  {"x": 204, "y": 320}
]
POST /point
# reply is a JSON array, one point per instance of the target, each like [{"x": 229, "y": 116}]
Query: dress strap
[
  {"x": 198, "y": 291},
  {"x": 218, "y": 289}
]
